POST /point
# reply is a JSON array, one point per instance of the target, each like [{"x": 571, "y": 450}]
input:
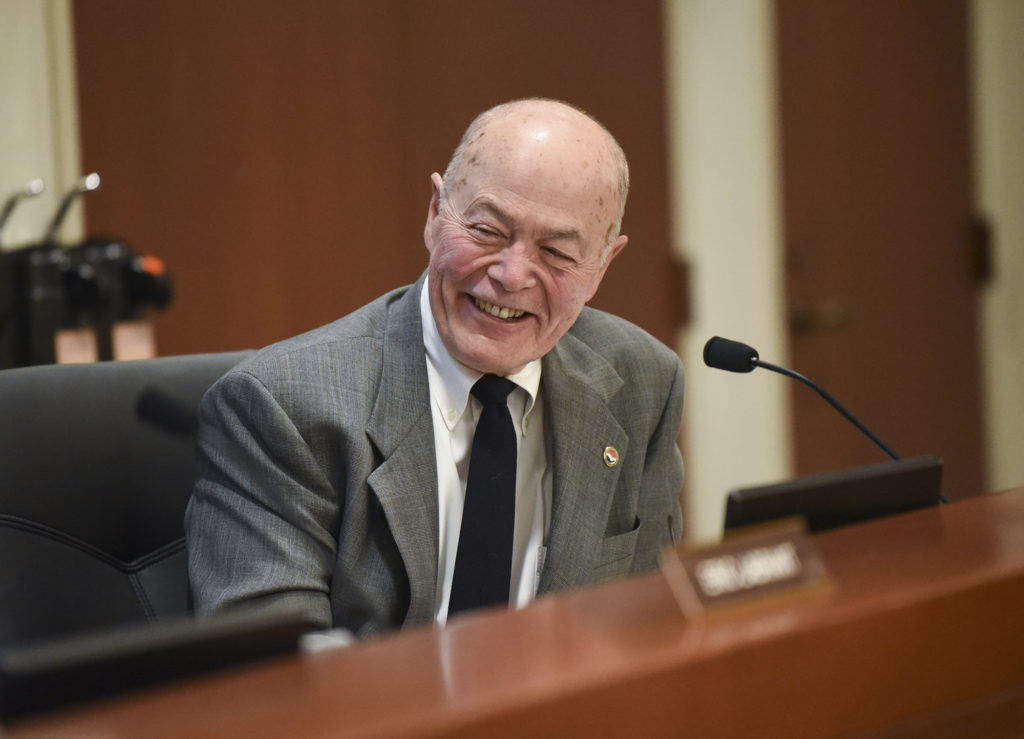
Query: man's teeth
[{"x": 506, "y": 314}]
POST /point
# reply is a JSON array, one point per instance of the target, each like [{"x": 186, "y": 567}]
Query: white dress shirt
[{"x": 455, "y": 414}]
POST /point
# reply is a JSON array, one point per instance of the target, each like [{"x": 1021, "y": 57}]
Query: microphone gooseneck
[
  {"x": 30, "y": 190},
  {"x": 734, "y": 356},
  {"x": 832, "y": 402},
  {"x": 86, "y": 184}
]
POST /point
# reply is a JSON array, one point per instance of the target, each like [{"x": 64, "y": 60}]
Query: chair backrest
[{"x": 93, "y": 495}]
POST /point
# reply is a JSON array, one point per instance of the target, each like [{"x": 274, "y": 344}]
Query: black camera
[{"x": 47, "y": 288}]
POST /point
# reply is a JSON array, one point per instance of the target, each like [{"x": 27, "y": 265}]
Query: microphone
[
  {"x": 733, "y": 356},
  {"x": 30, "y": 190},
  {"x": 729, "y": 355},
  {"x": 86, "y": 184}
]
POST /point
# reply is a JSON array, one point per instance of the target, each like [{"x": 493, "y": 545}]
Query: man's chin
[
  {"x": 503, "y": 369},
  {"x": 494, "y": 362}
]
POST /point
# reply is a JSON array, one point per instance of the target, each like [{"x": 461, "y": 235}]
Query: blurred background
[{"x": 837, "y": 183}]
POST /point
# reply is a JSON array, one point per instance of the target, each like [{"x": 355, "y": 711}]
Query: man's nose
[{"x": 514, "y": 267}]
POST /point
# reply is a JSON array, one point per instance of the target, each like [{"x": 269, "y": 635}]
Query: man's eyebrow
[
  {"x": 567, "y": 234},
  {"x": 491, "y": 208}
]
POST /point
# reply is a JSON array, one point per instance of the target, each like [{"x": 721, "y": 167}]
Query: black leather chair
[{"x": 93, "y": 492}]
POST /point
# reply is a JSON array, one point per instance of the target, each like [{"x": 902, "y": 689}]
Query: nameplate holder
[{"x": 751, "y": 568}]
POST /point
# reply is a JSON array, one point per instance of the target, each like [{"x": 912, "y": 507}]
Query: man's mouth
[{"x": 505, "y": 314}]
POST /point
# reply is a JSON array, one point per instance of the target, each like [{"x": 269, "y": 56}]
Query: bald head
[
  {"x": 555, "y": 144},
  {"x": 521, "y": 230}
]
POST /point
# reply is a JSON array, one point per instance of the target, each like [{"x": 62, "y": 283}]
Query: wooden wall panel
[{"x": 276, "y": 155}]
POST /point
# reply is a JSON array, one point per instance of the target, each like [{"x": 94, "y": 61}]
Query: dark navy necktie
[{"x": 483, "y": 563}]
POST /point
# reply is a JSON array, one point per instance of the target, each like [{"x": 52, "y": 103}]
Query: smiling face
[{"x": 519, "y": 240}]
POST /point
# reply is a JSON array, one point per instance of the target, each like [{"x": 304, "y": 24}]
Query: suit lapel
[
  {"x": 577, "y": 378},
  {"x": 402, "y": 429}
]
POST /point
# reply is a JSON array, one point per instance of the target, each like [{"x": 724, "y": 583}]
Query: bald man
[{"x": 333, "y": 466}]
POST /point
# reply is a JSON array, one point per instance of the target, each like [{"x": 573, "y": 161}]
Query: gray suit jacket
[{"x": 317, "y": 479}]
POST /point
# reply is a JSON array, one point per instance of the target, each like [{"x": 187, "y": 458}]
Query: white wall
[
  {"x": 998, "y": 43},
  {"x": 726, "y": 195},
  {"x": 38, "y": 117}
]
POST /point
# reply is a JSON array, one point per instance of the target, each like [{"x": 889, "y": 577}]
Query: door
[{"x": 877, "y": 208}]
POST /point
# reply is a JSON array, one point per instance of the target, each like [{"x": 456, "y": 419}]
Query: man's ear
[
  {"x": 619, "y": 245},
  {"x": 613, "y": 251},
  {"x": 433, "y": 210}
]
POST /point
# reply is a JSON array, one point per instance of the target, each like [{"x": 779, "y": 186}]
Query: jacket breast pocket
[{"x": 616, "y": 556}]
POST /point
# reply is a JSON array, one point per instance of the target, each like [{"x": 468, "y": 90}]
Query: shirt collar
[{"x": 456, "y": 379}]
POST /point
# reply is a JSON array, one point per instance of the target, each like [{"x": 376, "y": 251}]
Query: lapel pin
[{"x": 611, "y": 456}]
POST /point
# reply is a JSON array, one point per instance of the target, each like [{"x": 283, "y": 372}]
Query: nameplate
[{"x": 749, "y": 568}]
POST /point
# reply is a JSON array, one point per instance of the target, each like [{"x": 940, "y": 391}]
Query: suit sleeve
[{"x": 261, "y": 524}]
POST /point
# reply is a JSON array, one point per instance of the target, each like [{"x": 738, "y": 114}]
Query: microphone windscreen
[{"x": 726, "y": 354}]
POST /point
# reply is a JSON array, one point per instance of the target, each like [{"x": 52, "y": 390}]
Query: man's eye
[
  {"x": 556, "y": 254},
  {"x": 483, "y": 230}
]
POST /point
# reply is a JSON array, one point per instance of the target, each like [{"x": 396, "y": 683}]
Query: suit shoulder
[
  {"x": 355, "y": 337},
  {"x": 615, "y": 338}
]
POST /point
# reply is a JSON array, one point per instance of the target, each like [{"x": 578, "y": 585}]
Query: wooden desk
[{"x": 922, "y": 636}]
